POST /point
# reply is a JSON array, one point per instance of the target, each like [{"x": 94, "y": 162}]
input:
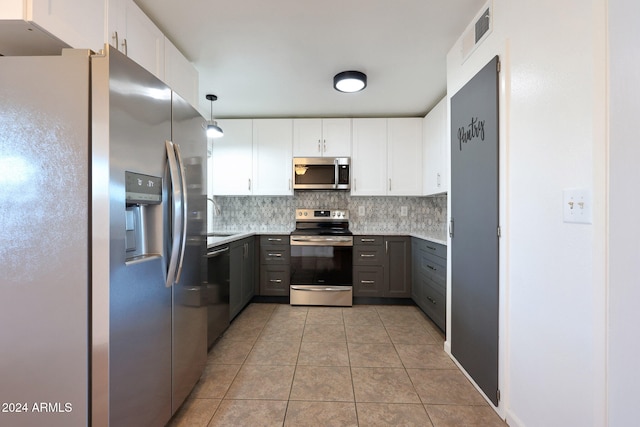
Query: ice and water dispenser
[{"x": 143, "y": 223}]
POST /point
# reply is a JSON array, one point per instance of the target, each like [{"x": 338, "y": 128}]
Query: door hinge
[
  {"x": 498, "y": 394},
  {"x": 499, "y": 232}
]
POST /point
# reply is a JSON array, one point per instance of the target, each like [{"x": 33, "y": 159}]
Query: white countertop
[
  {"x": 225, "y": 237},
  {"x": 218, "y": 238},
  {"x": 400, "y": 233}
]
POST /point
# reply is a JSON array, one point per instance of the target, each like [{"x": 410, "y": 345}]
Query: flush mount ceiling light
[
  {"x": 350, "y": 81},
  {"x": 213, "y": 130}
]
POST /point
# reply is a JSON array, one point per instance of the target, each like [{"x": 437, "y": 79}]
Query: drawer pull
[
  {"x": 431, "y": 300},
  {"x": 275, "y": 255},
  {"x": 367, "y": 255},
  {"x": 367, "y": 240},
  {"x": 431, "y": 247},
  {"x": 274, "y": 239},
  {"x": 275, "y": 280},
  {"x": 431, "y": 268},
  {"x": 367, "y": 282}
]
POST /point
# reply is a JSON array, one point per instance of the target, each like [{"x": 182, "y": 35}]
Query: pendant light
[
  {"x": 350, "y": 81},
  {"x": 213, "y": 130}
]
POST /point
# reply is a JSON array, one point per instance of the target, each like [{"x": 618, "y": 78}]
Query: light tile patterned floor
[{"x": 279, "y": 365}]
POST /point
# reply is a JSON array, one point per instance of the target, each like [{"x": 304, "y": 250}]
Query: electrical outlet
[
  {"x": 361, "y": 210},
  {"x": 404, "y": 211},
  {"x": 577, "y": 206}
]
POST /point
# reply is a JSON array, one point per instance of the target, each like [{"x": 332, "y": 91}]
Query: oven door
[{"x": 321, "y": 270}]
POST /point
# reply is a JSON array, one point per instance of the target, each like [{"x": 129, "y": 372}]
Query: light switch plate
[{"x": 577, "y": 206}]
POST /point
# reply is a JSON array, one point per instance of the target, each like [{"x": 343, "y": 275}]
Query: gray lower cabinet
[
  {"x": 241, "y": 274},
  {"x": 382, "y": 266},
  {"x": 275, "y": 266},
  {"x": 429, "y": 289}
]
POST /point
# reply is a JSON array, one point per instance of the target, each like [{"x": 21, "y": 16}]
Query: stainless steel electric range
[{"x": 321, "y": 258}]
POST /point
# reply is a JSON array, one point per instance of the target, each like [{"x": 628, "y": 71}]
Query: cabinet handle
[
  {"x": 386, "y": 246},
  {"x": 367, "y": 282},
  {"x": 319, "y": 150},
  {"x": 274, "y": 239},
  {"x": 438, "y": 179},
  {"x": 367, "y": 240},
  {"x": 275, "y": 255},
  {"x": 289, "y": 184},
  {"x": 324, "y": 145},
  {"x": 431, "y": 268},
  {"x": 124, "y": 45},
  {"x": 249, "y": 184},
  {"x": 367, "y": 255},
  {"x": 115, "y": 37},
  {"x": 431, "y": 247},
  {"x": 354, "y": 184},
  {"x": 432, "y": 301},
  {"x": 389, "y": 184},
  {"x": 275, "y": 280}
]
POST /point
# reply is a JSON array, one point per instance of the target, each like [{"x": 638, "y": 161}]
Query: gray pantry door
[{"x": 474, "y": 226}]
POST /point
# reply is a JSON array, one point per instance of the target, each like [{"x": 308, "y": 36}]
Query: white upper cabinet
[
  {"x": 231, "y": 161},
  {"x": 272, "y": 157},
  {"x": 387, "y": 157},
  {"x": 369, "y": 157},
  {"x": 134, "y": 34},
  {"x": 254, "y": 157},
  {"x": 180, "y": 74},
  {"x": 322, "y": 137},
  {"x": 404, "y": 156},
  {"x": 436, "y": 150},
  {"x": 79, "y": 24}
]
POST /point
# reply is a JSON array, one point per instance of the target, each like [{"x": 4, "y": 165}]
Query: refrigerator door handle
[
  {"x": 185, "y": 210},
  {"x": 176, "y": 229}
]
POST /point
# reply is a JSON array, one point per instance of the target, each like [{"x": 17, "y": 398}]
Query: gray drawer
[
  {"x": 368, "y": 281},
  {"x": 434, "y": 303},
  {"x": 368, "y": 255},
  {"x": 274, "y": 280},
  {"x": 279, "y": 239},
  {"x": 432, "y": 248},
  {"x": 433, "y": 267},
  {"x": 275, "y": 254},
  {"x": 368, "y": 240}
]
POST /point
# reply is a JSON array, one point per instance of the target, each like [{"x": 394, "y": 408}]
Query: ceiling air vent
[
  {"x": 482, "y": 25},
  {"x": 476, "y": 33}
]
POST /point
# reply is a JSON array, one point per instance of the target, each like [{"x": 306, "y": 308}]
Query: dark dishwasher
[{"x": 217, "y": 292}]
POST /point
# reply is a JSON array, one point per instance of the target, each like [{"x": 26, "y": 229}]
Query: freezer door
[{"x": 131, "y": 122}]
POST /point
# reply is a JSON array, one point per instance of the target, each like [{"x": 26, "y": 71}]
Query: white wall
[
  {"x": 624, "y": 208},
  {"x": 552, "y": 348}
]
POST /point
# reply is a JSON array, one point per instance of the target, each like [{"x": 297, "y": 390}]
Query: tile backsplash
[{"x": 426, "y": 216}]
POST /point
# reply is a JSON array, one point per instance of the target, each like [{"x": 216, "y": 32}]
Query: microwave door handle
[
  {"x": 185, "y": 207},
  {"x": 176, "y": 207},
  {"x": 336, "y": 170}
]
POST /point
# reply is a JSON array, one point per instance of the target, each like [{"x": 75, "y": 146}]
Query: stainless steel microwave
[{"x": 321, "y": 173}]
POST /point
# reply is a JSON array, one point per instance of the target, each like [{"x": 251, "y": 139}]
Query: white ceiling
[{"x": 277, "y": 58}]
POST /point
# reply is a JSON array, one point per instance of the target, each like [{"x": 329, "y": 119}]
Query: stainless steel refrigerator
[{"x": 102, "y": 242}]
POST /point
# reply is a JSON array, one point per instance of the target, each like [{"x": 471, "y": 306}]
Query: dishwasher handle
[{"x": 217, "y": 252}]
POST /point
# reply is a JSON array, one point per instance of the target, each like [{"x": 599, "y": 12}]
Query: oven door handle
[
  {"x": 320, "y": 288},
  {"x": 321, "y": 241}
]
